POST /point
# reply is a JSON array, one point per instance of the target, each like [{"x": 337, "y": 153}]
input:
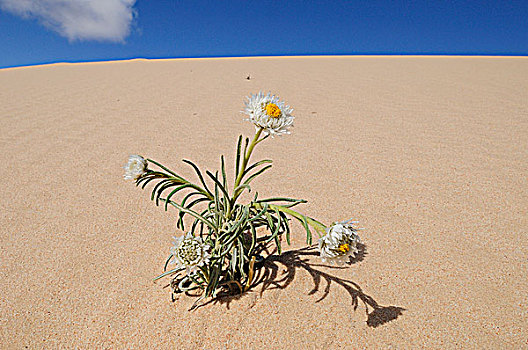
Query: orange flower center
[
  {"x": 273, "y": 110},
  {"x": 344, "y": 248}
]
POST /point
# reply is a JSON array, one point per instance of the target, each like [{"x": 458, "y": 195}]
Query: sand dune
[{"x": 428, "y": 153}]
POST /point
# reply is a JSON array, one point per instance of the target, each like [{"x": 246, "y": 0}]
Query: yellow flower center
[
  {"x": 273, "y": 110},
  {"x": 344, "y": 248}
]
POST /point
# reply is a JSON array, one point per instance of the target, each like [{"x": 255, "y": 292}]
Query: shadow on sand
[{"x": 278, "y": 272}]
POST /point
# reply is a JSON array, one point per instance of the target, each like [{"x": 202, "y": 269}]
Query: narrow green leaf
[
  {"x": 312, "y": 222},
  {"x": 213, "y": 281},
  {"x": 216, "y": 196},
  {"x": 199, "y": 173},
  {"x": 168, "y": 273},
  {"x": 251, "y": 167},
  {"x": 192, "y": 213},
  {"x": 237, "y": 163},
  {"x": 281, "y": 224},
  {"x": 259, "y": 214},
  {"x": 165, "y": 168},
  {"x": 189, "y": 195},
  {"x": 155, "y": 189},
  {"x": 235, "y": 227},
  {"x": 145, "y": 183},
  {"x": 253, "y": 238},
  {"x": 286, "y": 227},
  {"x": 241, "y": 259},
  {"x": 226, "y": 248},
  {"x": 281, "y": 199},
  {"x": 278, "y": 244},
  {"x": 241, "y": 188},
  {"x": 167, "y": 262},
  {"x": 221, "y": 187},
  {"x": 249, "y": 179},
  {"x": 308, "y": 232},
  {"x": 233, "y": 263},
  {"x": 189, "y": 206},
  {"x": 173, "y": 192},
  {"x": 162, "y": 189},
  {"x": 224, "y": 177}
]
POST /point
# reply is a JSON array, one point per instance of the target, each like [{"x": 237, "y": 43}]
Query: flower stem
[
  {"x": 245, "y": 161},
  {"x": 247, "y": 156}
]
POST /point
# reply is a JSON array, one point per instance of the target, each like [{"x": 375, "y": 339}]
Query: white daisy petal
[
  {"x": 136, "y": 166},
  {"x": 339, "y": 243},
  {"x": 268, "y": 113}
]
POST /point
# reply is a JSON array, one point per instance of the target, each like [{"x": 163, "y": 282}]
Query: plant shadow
[{"x": 278, "y": 272}]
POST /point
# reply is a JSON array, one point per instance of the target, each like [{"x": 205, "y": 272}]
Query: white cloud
[{"x": 102, "y": 20}]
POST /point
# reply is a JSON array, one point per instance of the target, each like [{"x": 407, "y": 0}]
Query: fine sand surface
[{"x": 429, "y": 154}]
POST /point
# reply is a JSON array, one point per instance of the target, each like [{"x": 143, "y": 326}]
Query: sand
[{"x": 429, "y": 154}]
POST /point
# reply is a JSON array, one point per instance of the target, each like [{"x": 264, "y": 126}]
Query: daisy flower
[
  {"x": 190, "y": 252},
  {"x": 268, "y": 113},
  {"x": 136, "y": 166},
  {"x": 339, "y": 243}
]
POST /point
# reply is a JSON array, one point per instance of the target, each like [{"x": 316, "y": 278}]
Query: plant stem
[
  {"x": 250, "y": 275},
  {"x": 247, "y": 156},
  {"x": 245, "y": 161}
]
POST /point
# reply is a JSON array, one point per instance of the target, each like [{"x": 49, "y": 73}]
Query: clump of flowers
[{"x": 222, "y": 241}]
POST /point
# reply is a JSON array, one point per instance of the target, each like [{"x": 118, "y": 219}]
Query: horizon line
[{"x": 117, "y": 60}]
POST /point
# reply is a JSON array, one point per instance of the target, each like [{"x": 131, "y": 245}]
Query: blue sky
[{"x": 45, "y": 31}]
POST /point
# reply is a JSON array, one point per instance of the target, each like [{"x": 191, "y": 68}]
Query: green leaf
[
  {"x": 312, "y": 222},
  {"x": 221, "y": 187},
  {"x": 259, "y": 214},
  {"x": 234, "y": 228},
  {"x": 251, "y": 167},
  {"x": 281, "y": 199},
  {"x": 144, "y": 180},
  {"x": 278, "y": 244},
  {"x": 224, "y": 177},
  {"x": 173, "y": 192},
  {"x": 213, "y": 281},
  {"x": 192, "y": 213},
  {"x": 216, "y": 196},
  {"x": 241, "y": 259},
  {"x": 275, "y": 228},
  {"x": 241, "y": 188},
  {"x": 167, "y": 262},
  {"x": 168, "y": 273},
  {"x": 281, "y": 224},
  {"x": 199, "y": 173},
  {"x": 226, "y": 248},
  {"x": 307, "y": 228},
  {"x": 155, "y": 189},
  {"x": 253, "y": 238},
  {"x": 286, "y": 227},
  {"x": 162, "y": 189},
  {"x": 256, "y": 174},
  {"x": 166, "y": 169},
  {"x": 189, "y": 195},
  {"x": 189, "y": 206},
  {"x": 239, "y": 148}
]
